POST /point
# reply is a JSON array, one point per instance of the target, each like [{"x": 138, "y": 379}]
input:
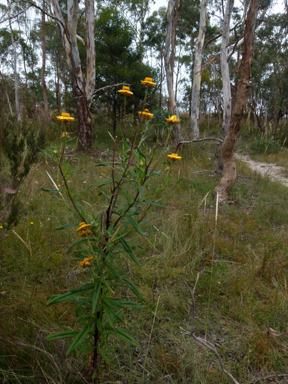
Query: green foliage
[
  {"x": 19, "y": 149},
  {"x": 265, "y": 146},
  {"x": 106, "y": 238}
]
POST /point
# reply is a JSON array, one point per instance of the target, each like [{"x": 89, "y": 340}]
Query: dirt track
[{"x": 271, "y": 170}]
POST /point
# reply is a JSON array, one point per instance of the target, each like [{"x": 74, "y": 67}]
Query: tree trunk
[
  {"x": 169, "y": 59},
  {"x": 43, "y": 40},
  {"x": 228, "y": 180},
  {"x": 227, "y": 99},
  {"x": 82, "y": 91},
  {"x": 17, "y": 104},
  {"x": 195, "y": 104}
]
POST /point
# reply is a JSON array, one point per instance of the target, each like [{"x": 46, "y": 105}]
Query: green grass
[{"x": 244, "y": 260}]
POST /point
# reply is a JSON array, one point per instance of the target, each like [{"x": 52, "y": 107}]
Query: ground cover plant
[{"x": 241, "y": 297}]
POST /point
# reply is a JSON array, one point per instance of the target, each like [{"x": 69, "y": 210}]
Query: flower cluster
[
  {"x": 148, "y": 81},
  {"x": 173, "y": 120},
  {"x": 83, "y": 229},
  {"x": 65, "y": 134},
  {"x": 146, "y": 114},
  {"x": 85, "y": 262},
  {"x": 125, "y": 91},
  {"x": 174, "y": 157},
  {"x": 65, "y": 117}
]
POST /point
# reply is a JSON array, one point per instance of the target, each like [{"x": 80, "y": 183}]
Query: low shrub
[{"x": 265, "y": 146}]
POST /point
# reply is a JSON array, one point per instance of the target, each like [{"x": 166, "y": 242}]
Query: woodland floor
[{"x": 273, "y": 171}]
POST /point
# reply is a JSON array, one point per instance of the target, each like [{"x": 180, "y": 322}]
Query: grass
[{"x": 247, "y": 319}]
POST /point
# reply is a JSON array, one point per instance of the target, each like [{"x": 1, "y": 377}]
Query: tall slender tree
[{"x": 228, "y": 180}]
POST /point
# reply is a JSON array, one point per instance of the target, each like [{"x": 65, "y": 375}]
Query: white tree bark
[
  {"x": 195, "y": 104},
  {"x": 82, "y": 89},
  {"x": 169, "y": 59},
  {"x": 227, "y": 99},
  {"x": 17, "y": 103}
]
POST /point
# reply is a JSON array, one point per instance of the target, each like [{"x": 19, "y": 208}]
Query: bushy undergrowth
[
  {"x": 265, "y": 146},
  {"x": 241, "y": 298}
]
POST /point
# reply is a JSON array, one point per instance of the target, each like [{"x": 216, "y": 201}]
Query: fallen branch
[
  {"x": 109, "y": 86},
  {"x": 201, "y": 341},
  {"x": 216, "y": 139}
]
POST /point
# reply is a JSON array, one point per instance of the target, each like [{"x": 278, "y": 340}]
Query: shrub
[{"x": 265, "y": 146}]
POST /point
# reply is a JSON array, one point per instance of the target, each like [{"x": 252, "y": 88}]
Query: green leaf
[
  {"x": 126, "y": 337},
  {"x": 84, "y": 190},
  {"x": 133, "y": 288},
  {"x": 80, "y": 337},
  {"x": 103, "y": 164},
  {"x": 51, "y": 190},
  {"x": 104, "y": 183},
  {"x": 56, "y": 299},
  {"x": 129, "y": 250},
  {"x": 153, "y": 203},
  {"x": 135, "y": 225},
  {"x": 76, "y": 244},
  {"x": 76, "y": 170},
  {"x": 83, "y": 288},
  {"x": 61, "y": 335},
  {"x": 84, "y": 346},
  {"x": 66, "y": 226}
]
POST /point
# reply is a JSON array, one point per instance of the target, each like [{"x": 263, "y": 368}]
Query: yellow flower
[
  {"x": 1, "y": 226},
  {"x": 65, "y": 134},
  {"x": 174, "y": 157},
  {"x": 31, "y": 223},
  {"x": 125, "y": 91},
  {"x": 173, "y": 119},
  {"x": 146, "y": 114},
  {"x": 84, "y": 263},
  {"x": 65, "y": 117},
  {"x": 83, "y": 229},
  {"x": 148, "y": 81}
]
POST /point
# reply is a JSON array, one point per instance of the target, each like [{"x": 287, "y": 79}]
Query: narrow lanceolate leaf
[
  {"x": 103, "y": 165},
  {"x": 76, "y": 244},
  {"x": 56, "y": 299},
  {"x": 96, "y": 297},
  {"x": 66, "y": 226},
  {"x": 80, "y": 337},
  {"x": 126, "y": 337},
  {"x": 61, "y": 335},
  {"x": 51, "y": 190},
  {"x": 75, "y": 170},
  {"x": 129, "y": 250},
  {"x": 135, "y": 225},
  {"x": 104, "y": 183},
  {"x": 83, "y": 288},
  {"x": 133, "y": 288}
]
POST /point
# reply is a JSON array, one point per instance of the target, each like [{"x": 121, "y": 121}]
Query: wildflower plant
[{"x": 105, "y": 237}]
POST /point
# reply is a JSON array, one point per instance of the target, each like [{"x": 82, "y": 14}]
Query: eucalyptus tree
[
  {"x": 173, "y": 10},
  {"x": 83, "y": 86},
  {"x": 195, "y": 103},
  {"x": 229, "y": 167}
]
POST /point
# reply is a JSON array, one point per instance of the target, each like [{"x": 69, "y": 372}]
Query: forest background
[{"x": 74, "y": 59}]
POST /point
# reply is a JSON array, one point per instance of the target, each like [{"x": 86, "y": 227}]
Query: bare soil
[{"x": 273, "y": 171}]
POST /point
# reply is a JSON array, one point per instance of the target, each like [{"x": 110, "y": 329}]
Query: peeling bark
[
  {"x": 227, "y": 99},
  {"x": 45, "y": 93},
  {"x": 195, "y": 104},
  {"x": 169, "y": 60},
  {"x": 228, "y": 180},
  {"x": 82, "y": 90}
]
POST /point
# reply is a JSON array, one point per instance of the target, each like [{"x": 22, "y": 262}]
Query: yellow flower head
[
  {"x": 148, "y": 81},
  {"x": 1, "y": 226},
  {"x": 146, "y": 114},
  {"x": 65, "y": 117},
  {"x": 65, "y": 134},
  {"x": 83, "y": 229},
  {"x": 174, "y": 157},
  {"x": 173, "y": 119},
  {"x": 125, "y": 91},
  {"x": 84, "y": 263}
]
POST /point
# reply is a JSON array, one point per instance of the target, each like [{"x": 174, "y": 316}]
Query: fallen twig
[{"x": 215, "y": 139}]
